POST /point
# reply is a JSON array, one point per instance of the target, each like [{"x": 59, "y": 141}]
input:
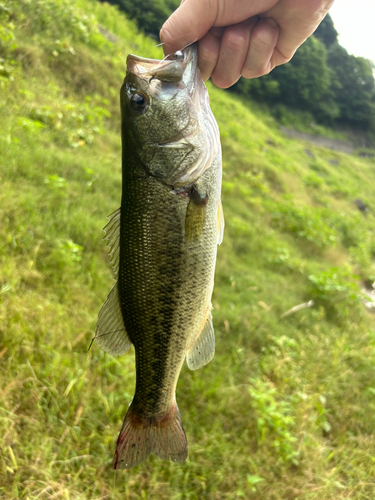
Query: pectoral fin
[
  {"x": 203, "y": 350},
  {"x": 195, "y": 214},
  {"x": 110, "y": 333},
  {"x": 194, "y": 222}
]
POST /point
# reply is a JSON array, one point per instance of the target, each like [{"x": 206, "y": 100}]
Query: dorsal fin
[{"x": 112, "y": 236}]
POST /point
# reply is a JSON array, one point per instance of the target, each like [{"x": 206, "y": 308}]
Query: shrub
[
  {"x": 275, "y": 420},
  {"x": 336, "y": 291},
  {"x": 307, "y": 223}
]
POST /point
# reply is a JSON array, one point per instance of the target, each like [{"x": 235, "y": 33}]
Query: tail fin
[{"x": 141, "y": 436}]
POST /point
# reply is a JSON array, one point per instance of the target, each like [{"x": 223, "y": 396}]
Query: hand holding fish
[{"x": 238, "y": 38}]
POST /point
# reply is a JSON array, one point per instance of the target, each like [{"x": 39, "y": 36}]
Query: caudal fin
[{"x": 140, "y": 436}]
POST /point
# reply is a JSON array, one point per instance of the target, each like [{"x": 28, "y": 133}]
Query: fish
[{"x": 163, "y": 244}]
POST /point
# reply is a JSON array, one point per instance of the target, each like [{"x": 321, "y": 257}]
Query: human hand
[{"x": 242, "y": 38}]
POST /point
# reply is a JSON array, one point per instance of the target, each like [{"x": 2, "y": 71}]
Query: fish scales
[
  {"x": 162, "y": 292},
  {"x": 169, "y": 226}
]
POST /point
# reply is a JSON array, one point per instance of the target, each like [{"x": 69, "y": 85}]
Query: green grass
[{"x": 286, "y": 409}]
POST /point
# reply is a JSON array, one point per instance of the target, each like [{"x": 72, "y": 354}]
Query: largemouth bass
[{"x": 163, "y": 243}]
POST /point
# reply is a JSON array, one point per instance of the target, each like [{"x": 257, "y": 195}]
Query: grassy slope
[{"x": 286, "y": 408}]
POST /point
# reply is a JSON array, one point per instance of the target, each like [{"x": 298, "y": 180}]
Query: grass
[{"x": 286, "y": 408}]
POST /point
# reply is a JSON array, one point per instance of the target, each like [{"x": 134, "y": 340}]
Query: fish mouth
[{"x": 180, "y": 66}]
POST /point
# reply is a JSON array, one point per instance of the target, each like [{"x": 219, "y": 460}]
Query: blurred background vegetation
[{"x": 286, "y": 409}]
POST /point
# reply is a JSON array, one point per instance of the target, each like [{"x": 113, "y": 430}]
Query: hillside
[{"x": 286, "y": 409}]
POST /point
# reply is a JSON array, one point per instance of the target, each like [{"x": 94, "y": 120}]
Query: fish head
[{"x": 167, "y": 123}]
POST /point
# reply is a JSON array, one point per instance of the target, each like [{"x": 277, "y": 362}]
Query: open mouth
[{"x": 166, "y": 70}]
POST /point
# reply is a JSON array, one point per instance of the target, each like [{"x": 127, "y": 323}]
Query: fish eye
[
  {"x": 138, "y": 102},
  {"x": 179, "y": 55}
]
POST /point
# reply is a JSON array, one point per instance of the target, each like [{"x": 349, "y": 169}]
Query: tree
[
  {"x": 353, "y": 87},
  {"x": 326, "y": 32},
  {"x": 304, "y": 83},
  {"x": 149, "y": 15}
]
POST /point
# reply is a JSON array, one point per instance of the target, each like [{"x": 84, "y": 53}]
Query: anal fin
[
  {"x": 110, "y": 333},
  {"x": 203, "y": 349}
]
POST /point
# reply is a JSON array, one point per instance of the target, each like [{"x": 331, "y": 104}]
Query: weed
[
  {"x": 55, "y": 18},
  {"x": 283, "y": 260},
  {"x": 362, "y": 256},
  {"x": 55, "y": 183},
  {"x": 337, "y": 291},
  {"x": 314, "y": 181},
  {"x": 253, "y": 481},
  {"x": 307, "y": 223},
  {"x": 275, "y": 420},
  {"x": 75, "y": 124},
  {"x": 323, "y": 413},
  {"x": 252, "y": 183},
  {"x": 8, "y": 65}
]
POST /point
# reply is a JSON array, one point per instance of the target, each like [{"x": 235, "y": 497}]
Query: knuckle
[
  {"x": 264, "y": 37},
  {"x": 235, "y": 40},
  {"x": 262, "y": 41}
]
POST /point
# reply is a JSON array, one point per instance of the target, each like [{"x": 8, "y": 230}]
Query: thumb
[{"x": 187, "y": 24}]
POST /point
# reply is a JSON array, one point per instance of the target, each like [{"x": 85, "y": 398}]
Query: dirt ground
[{"x": 336, "y": 145}]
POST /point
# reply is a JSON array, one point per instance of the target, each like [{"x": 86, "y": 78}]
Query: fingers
[
  {"x": 194, "y": 18},
  {"x": 244, "y": 49},
  {"x": 297, "y": 20},
  {"x": 230, "y": 45},
  {"x": 262, "y": 45},
  {"x": 233, "y": 49},
  {"x": 208, "y": 52}
]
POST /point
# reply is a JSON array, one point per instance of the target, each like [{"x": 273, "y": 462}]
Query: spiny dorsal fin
[
  {"x": 110, "y": 333},
  {"x": 203, "y": 350},
  {"x": 220, "y": 224},
  {"x": 112, "y": 236}
]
